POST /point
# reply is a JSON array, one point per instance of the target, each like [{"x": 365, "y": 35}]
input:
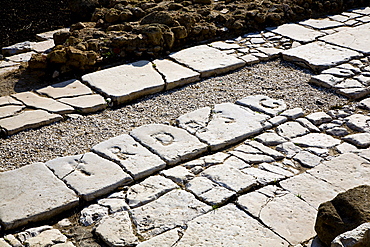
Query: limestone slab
[
  {"x": 291, "y": 129},
  {"x": 166, "y": 239},
  {"x": 266, "y": 150},
  {"x": 249, "y": 59},
  {"x": 318, "y": 140},
  {"x": 20, "y": 58},
  {"x": 325, "y": 80},
  {"x": 270, "y": 139},
  {"x": 297, "y": 32},
  {"x": 252, "y": 158},
  {"x": 354, "y": 93},
  {"x": 86, "y": 103},
  {"x": 92, "y": 214},
  {"x": 49, "y": 34},
  {"x": 263, "y": 177},
  {"x": 116, "y": 230},
  {"x": 70, "y": 88},
  {"x": 361, "y": 140},
  {"x": 312, "y": 190},
  {"x": 175, "y": 74},
  {"x": 3, "y": 243},
  {"x": 293, "y": 114},
  {"x": 358, "y": 122},
  {"x": 42, "y": 46},
  {"x": 10, "y": 110},
  {"x": 47, "y": 238},
  {"x": 178, "y": 174},
  {"x": 172, "y": 144},
  {"x": 27, "y": 120},
  {"x": 345, "y": 171},
  {"x": 365, "y": 103},
  {"x": 290, "y": 217},
  {"x": 321, "y": 23},
  {"x": 131, "y": 155},
  {"x": 364, "y": 11},
  {"x": 149, "y": 190},
  {"x": 173, "y": 209},
  {"x": 319, "y": 55},
  {"x": 227, "y": 124},
  {"x": 206, "y": 60},
  {"x": 289, "y": 149},
  {"x": 358, "y": 236},
  {"x": 264, "y": 104},
  {"x": 224, "y": 46},
  {"x": 32, "y": 193},
  {"x": 4, "y": 64},
  {"x": 21, "y": 47},
  {"x": 87, "y": 174},
  {"x": 126, "y": 82},
  {"x": 357, "y": 38},
  {"x": 230, "y": 178},
  {"x": 339, "y": 72},
  {"x": 33, "y": 100},
  {"x": 318, "y": 118},
  {"x": 7, "y": 100},
  {"x": 276, "y": 168},
  {"x": 212, "y": 229},
  {"x": 114, "y": 204}
]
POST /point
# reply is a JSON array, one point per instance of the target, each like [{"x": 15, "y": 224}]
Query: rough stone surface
[
  {"x": 252, "y": 158},
  {"x": 172, "y": 144},
  {"x": 70, "y": 88},
  {"x": 361, "y": 140},
  {"x": 266, "y": 150},
  {"x": 312, "y": 190},
  {"x": 226, "y": 124},
  {"x": 32, "y": 193},
  {"x": 359, "y": 236},
  {"x": 174, "y": 74},
  {"x": 270, "y": 139},
  {"x": 307, "y": 159},
  {"x": 297, "y": 32},
  {"x": 123, "y": 86},
  {"x": 319, "y": 55},
  {"x": 211, "y": 229},
  {"x": 131, "y": 155},
  {"x": 36, "y": 101},
  {"x": 358, "y": 122},
  {"x": 47, "y": 238},
  {"x": 230, "y": 178},
  {"x": 291, "y": 129},
  {"x": 173, "y": 209},
  {"x": 92, "y": 214},
  {"x": 289, "y": 149},
  {"x": 10, "y": 110},
  {"x": 318, "y": 140},
  {"x": 293, "y": 114},
  {"x": 318, "y": 118},
  {"x": 148, "y": 190},
  {"x": 321, "y": 23},
  {"x": 264, "y": 104},
  {"x": 206, "y": 60},
  {"x": 87, "y": 174},
  {"x": 345, "y": 212},
  {"x": 263, "y": 177},
  {"x": 116, "y": 230},
  {"x": 3, "y": 243},
  {"x": 7, "y": 100},
  {"x": 166, "y": 239},
  {"x": 86, "y": 103},
  {"x": 365, "y": 103},
  {"x": 178, "y": 174}
]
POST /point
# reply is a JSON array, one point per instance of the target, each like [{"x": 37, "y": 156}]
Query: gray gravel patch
[{"x": 276, "y": 79}]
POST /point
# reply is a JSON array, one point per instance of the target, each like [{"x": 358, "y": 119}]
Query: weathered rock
[
  {"x": 32, "y": 232},
  {"x": 44, "y": 103},
  {"x": 365, "y": 103},
  {"x": 114, "y": 204},
  {"x": 252, "y": 158},
  {"x": 321, "y": 23},
  {"x": 116, "y": 230},
  {"x": 49, "y": 34},
  {"x": 293, "y": 114},
  {"x": 166, "y": 239},
  {"x": 149, "y": 190},
  {"x": 345, "y": 148},
  {"x": 206, "y": 60},
  {"x": 92, "y": 214},
  {"x": 211, "y": 229},
  {"x": 345, "y": 212},
  {"x": 171, "y": 144},
  {"x": 359, "y": 236},
  {"x": 291, "y": 129},
  {"x": 173, "y": 209},
  {"x": 361, "y": 140},
  {"x": 318, "y": 118},
  {"x": 263, "y": 104},
  {"x": 3, "y": 243},
  {"x": 263, "y": 177},
  {"x": 123, "y": 86},
  {"x": 270, "y": 139},
  {"x": 16, "y": 48},
  {"x": 86, "y": 103},
  {"x": 47, "y": 238},
  {"x": 297, "y": 32},
  {"x": 316, "y": 140},
  {"x": 28, "y": 119},
  {"x": 10, "y": 110},
  {"x": 266, "y": 150},
  {"x": 275, "y": 121},
  {"x": 307, "y": 159},
  {"x": 70, "y": 88},
  {"x": 7, "y": 100},
  {"x": 358, "y": 122},
  {"x": 224, "y": 46},
  {"x": 306, "y": 123},
  {"x": 20, "y": 58},
  {"x": 131, "y": 155},
  {"x": 32, "y": 193},
  {"x": 289, "y": 149},
  {"x": 178, "y": 174},
  {"x": 85, "y": 175}
]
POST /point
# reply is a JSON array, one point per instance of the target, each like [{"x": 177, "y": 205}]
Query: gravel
[{"x": 277, "y": 79}]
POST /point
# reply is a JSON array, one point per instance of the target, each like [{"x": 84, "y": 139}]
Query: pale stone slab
[
  {"x": 149, "y": 190},
  {"x": 3, "y": 243},
  {"x": 339, "y": 72},
  {"x": 349, "y": 83},
  {"x": 166, "y": 239},
  {"x": 263, "y": 177},
  {"x": 358, "y": 122},
  {"x": 138, "y": 161},
  {"x": 87, "y": 174},
  {"x": 126, "y": 82},
  {"x": 116, "y": 230},
  {"x": 312, "y": 190},
  {"x": 20, "y": 58},
  {"x": 291, "y": 129},
  {"x": 321, "y": 23},
  {"x": 293, "y": 114},
  {"x": 42, "y": 46},
  {"x": 224, "y": 46},
  {"x": 316, "y": 140},
  {"x": 114, "y": 204},
  {"x": 345, "y": 148},
  {"x": 32, "y": 193},
  {"x": 319, "y": 55},
  {"x": 354, "y": 93},
  {"x": 249, "y": 59},
  {"x": 206, "y": 60},
  {"x": 175, "y": 74},
  {"x": 178, "y": 174},
  {"x": 93, "y": 214},
  {"x": 290, "y": 217},
  {"x": 230, "y": 178},
  {"x": 262, "y": 103},
  {"x": 356, "y": 237},
  {"x": 365, "y": 103},
  {"x": 357, "y": 38},
  {"x": 172, "y": 144},
  {"x": 276, "y": 121},
  {"x": 271, "y": 52},
  {"x": 252, "y": 158},
  {"x": 270, "y": 139},
  {"x": 27, "y": 120},
  {"x": 363, "y": 11},
  {"x": 306, "y": 123},
  {"x": 297, "y": 32},
  {"x": 33, "y": 100},
  {"x": 325, "y": 80},
  {"x": 21, "y": 47},
  {"x": 318, "y": 118},
  {"x": 47, "y": 238},
  {"x": 70, "y": 88},
  {"x": 345, "y": 171},
  {"x": 266, "y": 150},
  {"x": 289, "y": 149},
  {"x": 195, "y": 120},
  {"x": 31, "y": 232},
  {"x": 227, "y": 124},
  {"x": 7, "y": 100},
  {"x": 364, "y": 153},
  {"x": 173, "y": 209},
  {"x": 276, "y": 168},
  {"x": 236, "y": 162},
  {"x": 361, "y": 140},
  {"x": 10, "y": 110},
  {"x": 6, "y": 64},
  {"x": 340, "y": 18},
  {"x": 239, "y": 229},
  {"x": 86, "y": 103}
]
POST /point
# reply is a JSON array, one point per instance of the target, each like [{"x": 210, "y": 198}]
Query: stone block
[
  {"x": 264, "y": 104},
  {"x": 7, "y": 100},
  {"x": 32, "y": 193},
  {"x": 86, "y": 103},
  {"x": 66, "y": 89},
  {"x": 317, "y": 140},
  {"x": 10, "y": 110},
  {"x": 321, "y": 23},
  {"x": 47, "y": 238},
  {"x": 291, "y": 130},
  {"x": 297, "y": 32}
]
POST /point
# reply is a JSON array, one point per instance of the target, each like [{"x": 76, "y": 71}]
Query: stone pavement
[{"x": 246, "y": 173}]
